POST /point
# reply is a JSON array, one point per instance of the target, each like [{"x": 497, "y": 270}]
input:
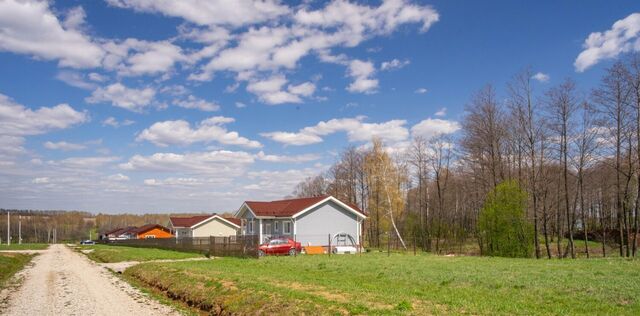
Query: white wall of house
[
  {"x": 214, "y": 227},
  {"x": 314, "y": 227}
]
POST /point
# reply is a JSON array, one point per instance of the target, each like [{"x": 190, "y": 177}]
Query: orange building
[{"x": 151, "y": 231}]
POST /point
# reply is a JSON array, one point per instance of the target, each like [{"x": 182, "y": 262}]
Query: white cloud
[
  {"x": 286, "y": 158},
  {"x": 621, "y": 38},
  {"x": 29, "y": 27},
  {"x": 118, "y": 177},
  {"x": 75, "y": 79},
  {"x": 421, "y": 91},
  {"x": 441, "y": 112},
  {"x": 196, "y": 103},
  {"x": 394, "y": 64},
  {"x": 305, "y": 89},
  {"x": 220, "y": 162},
  {"x": 541, "y": 77},
  {"x": 204, "y": 12},
  {"x": 271, "y": 90},
  {"x": 64, "y": 146},
  {"x": 127, "y": 98},
  {"x": 362, "y": 72},
  {"x": 17, "y": 120},
  {"x": 41, "y": 180},
  {"x": 180, "y": 133},
  {"x": 94, "y": 76},
  {"x": 133, "y": 57},
  {"x": 240, "y": 105},
  {"x": 356, "y": 129},
  {"x": 113, "y": 122},
  {"x": 433, "y": 127}
]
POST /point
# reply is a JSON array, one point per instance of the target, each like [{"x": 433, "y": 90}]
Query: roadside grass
[
  {"x": 23, "y": 247},
  {"x": 400, "y": 284},
  {"x": 10, "y": 263},
  {"x": 109, "y": 254}
]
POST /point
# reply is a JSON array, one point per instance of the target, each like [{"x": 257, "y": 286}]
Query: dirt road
[{"x": 63, "y": 282}]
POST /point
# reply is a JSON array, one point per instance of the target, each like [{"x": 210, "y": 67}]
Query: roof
[
  {"x": 187, "y": 221},
  {"x": 194, "y": 220},
  {"x": 290, "y": 207},
  {"x": 148, "y": 227},
  {"x": 120, "y": 231}
]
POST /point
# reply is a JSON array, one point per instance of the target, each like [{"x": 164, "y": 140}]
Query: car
[
  {"x": 279, "y": 246},
  {"x": 87, "y": 242}
]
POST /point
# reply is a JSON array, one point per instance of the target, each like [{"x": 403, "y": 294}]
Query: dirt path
[{"x": 63, "y": 282}]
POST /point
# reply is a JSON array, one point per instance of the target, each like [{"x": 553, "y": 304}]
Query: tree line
[{"x": 574, "y": 152}]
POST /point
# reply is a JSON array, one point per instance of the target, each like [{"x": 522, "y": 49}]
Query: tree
[{"x": 503, "y": 227}]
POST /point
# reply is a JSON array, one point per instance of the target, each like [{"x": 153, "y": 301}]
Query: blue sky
[{"x": 150, "y": 106}]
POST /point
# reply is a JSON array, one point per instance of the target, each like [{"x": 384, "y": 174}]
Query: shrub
[{"x": 502, "y": 224}]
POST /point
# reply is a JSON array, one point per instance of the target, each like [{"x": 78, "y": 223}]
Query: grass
[
  {"x": 10, "y": 263},
  {"x": 400, "y": 284},
  {"x": 23, "y": 247},
  {"x": 106, "y": 253}
]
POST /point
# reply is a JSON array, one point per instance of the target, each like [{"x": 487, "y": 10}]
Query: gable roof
[
  {"x": 190, "y": 222},
  {"x": 120, "y": 231},
  {"x": 148, "y": 227},
  {"x": 293, "y": 207}
]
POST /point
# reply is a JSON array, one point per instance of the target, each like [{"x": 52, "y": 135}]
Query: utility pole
[
  {"x": 8, "y": 229},
  {"x": 19, "y": 229}
]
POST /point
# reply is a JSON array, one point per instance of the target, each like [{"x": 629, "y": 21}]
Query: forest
[{"x": 575, "y": 152}]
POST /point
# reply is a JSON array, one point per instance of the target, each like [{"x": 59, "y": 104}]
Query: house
[
  {"x": 204, "y": 226},
  {"x": 150, "y": 231},
  {"x": 312, "y": 221},
  {"x": 118, "y": 233}
]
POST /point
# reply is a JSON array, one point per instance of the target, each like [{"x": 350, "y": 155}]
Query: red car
[{"x": 280, "y": 246}]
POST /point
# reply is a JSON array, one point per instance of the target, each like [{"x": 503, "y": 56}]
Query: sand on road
[{"x": 62, "y": 282}]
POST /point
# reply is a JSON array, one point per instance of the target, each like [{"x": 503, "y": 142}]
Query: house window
[
  {"x": 287, "y": 227},
  {"x": 275, "y": 226},
  {"x": 149, "y": 236},
  {"x": 251, "y": 227}
]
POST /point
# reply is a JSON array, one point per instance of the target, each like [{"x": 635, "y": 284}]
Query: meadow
[
  {"x": 10, "y": 263},
  {"x": 374, "y": 283},
  {"x": 15, "y": 246},
  {"x": 109, "y": 254}
]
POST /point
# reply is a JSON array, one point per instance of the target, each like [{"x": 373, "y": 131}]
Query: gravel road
[{"x": 63, "y": 282}]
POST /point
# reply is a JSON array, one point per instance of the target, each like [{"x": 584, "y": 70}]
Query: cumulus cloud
[
  {"x": 220, "y": 162},
  {"x": 119, "y": 95},
  {"x": 421, "y": 91},
  {"x": 29, "y": 27},
  {"x": 272, "y": 90},
  {"x": 17, "y": 120},
  {"x": 441, "y": 112},
  {"x": 394, "y": 64},
  {"x": 356, "y": 129},
  {"x": 541, "y": 77},
  {"x": 192, "y": 102},
  {"x": 113, "y": 122},
  {"x": 286, "y": 158},
  {"x": 179, "y": 132},
  {"x": 621, "y": 38},
  {"x": 64, "y": 146},
  {"x": 205, "y": 12},
  {"x": 133, "y": 57},
  {"x": 430, "y": 128},
  {"x": 75, "y": 79},
  {"x": 362, "y": 72}
]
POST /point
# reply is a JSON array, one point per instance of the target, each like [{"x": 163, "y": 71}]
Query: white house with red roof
[
  {"x": 204, "y": 226},
  {"x": 312, "y": 221}
]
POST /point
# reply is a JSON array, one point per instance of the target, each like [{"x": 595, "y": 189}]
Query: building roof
[
  {"x": 148, "y": 227},
  {"x": 194, "y": 220},
  {"x": 120, "y": 231},
  {"x": 289, "y": 207}
]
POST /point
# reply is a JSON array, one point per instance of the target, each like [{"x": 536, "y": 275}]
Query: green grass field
[
  {"x": 401, "y": 284},
  {"x": 10, "y": 263},
  {"x": 105, "y": 253},
  {"x": 23, "y": 247}
]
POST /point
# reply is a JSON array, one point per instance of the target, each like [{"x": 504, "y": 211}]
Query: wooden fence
[{"x": 230, "y": 246}]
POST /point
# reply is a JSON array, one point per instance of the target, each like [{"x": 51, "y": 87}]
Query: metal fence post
[
  {"x": 295, "y": 248},
  {"x": 388, "y": 244},
  {"x": 329, "y": 250}
]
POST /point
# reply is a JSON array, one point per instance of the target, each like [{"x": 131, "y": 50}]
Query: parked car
[
  {"x": 279, "y": 246},
  {"x": 87, "y": 242}
]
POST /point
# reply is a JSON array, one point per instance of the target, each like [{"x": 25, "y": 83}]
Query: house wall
[
  {"x": 157, "y": 233},
  {"x": 214, "y": 227},
  {"x": 183, "y": 232},
  {"x": 313, "y": 228}
]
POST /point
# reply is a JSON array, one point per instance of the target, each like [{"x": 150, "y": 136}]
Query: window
[
  {"x": 149, "y": 236},
  {"x": 251, "y": 227},
  {"x": 275, "y": 226},
  {"x": 287, "y": 227}
]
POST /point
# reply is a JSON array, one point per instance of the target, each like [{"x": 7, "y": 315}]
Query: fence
[{"x": 230, "y": 246}]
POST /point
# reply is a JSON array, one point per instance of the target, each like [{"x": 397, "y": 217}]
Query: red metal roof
[
  {"x": 289, "y": 207},
  {"x": 193, "y": 220},
  {"x": 188, "y": 221}
]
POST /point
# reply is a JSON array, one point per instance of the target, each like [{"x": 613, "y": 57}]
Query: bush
[{"x": 502, "y": 225}]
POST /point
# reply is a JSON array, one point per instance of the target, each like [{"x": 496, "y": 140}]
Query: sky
[{"x": 196, "y": 106}]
